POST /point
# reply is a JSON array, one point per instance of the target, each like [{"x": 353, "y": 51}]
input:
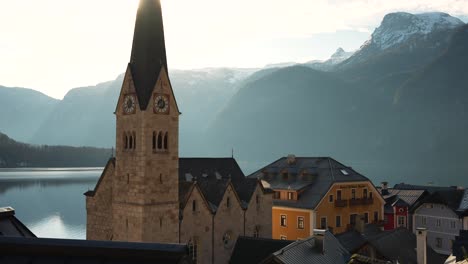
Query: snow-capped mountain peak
[
  {"x": 399, "y": 27},
  {"x": 340, "y": 55}
]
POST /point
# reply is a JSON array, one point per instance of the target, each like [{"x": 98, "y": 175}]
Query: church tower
[{"x": 145, "y": 192}]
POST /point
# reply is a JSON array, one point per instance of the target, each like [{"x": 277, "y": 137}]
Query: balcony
[
  {"x": 361, "y": 201},
  {"x": 341, "y": 203}
]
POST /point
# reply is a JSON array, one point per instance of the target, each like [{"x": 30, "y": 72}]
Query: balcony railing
[
  {"x": 341, "y": 203},
  {"x": 361, "y": 201}
]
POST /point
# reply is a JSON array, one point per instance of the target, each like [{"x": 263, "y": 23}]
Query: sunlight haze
[{"x": 54, "y": 45}]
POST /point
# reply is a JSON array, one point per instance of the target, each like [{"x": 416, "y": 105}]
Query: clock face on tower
[
  {"x": 161, "y": 104},
  {"x": 129, "y": 104}
]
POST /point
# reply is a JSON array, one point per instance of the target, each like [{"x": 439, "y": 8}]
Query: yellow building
[{"x": 318, "y": 193}]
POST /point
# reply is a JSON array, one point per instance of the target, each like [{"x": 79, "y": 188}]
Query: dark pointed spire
[{"x": 149, "y": 50}]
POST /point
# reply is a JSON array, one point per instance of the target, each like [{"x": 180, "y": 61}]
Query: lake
[{"x": 50, "y": 202}]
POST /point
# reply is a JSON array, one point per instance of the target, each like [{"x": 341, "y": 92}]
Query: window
[
  {"x": 386, "y": 219},
  {"x": 423, "y": 220},
  {"x": 438, "y": 223},
  {"x": 193, "y": 249},
  {"x": 131, "y": 143},
  {"x": 165, "y": 141},
  {"x": 125, "y": 141},
  {"x": 376, "y": 216},
  {"x": 453, "y": 224},
  {"x": 159, "y": 140},
  {"x": 330, "y": 198},
  {"x": 338, "y": 195},
  {"x": 438, "y": 242},
  {"x": 134, "y": 140},
  {"x": 283, "y": 237},
  {"x": 371, "y": 195},
  {"x": 227, "y": 239},
  {"x": 338, "y": 221},
  {"x": 323, "y": 223},
  {"x": 194, "y": 205},
  {"x": 256, "y": 233},
  {"x": 366, "y": 218},
  {"x": 352, "y": 219},
  {"x": 290, "y": 195},
  {"x": 300, "y": 222},
  {"x": 283, "y": 220},
  {"x": 277, "y": 195},
  {"x": 353, "y": 194},
  {"x": 401, "y": 221},
  {"x": 364, "y": 193},
  {"x": 228, "y": 202}
]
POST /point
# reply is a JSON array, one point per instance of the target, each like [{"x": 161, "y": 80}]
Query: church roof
[
  {"x": 148, "y": 51},
  {"x": 213, "y": 176}
]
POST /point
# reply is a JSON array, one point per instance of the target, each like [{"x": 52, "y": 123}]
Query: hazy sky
[{"x": 55, "y": 45}]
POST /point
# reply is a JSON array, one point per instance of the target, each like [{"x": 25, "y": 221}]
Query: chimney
[
  {"x": 291, "y": 159},
  {"x": 319, "y": 235},
  {"x": 384, "y": 188},
  {"x": 360, "y": 224},
  {"x": 421, "y": 245}
]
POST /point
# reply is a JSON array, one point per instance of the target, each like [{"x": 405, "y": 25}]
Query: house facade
[
  {"x": 318, "y": 193},
  {"x": 440, "y": 215},
  {"x": 147, "y": 193}
]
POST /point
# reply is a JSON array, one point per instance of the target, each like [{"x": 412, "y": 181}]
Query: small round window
[{"x": 228, "y": 240}]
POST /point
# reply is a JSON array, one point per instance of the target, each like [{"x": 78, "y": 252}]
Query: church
[{"x": 147, "y": 193}]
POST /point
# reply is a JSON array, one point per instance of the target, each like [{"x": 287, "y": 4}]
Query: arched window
[
  {"x": 228, "y": 202},
  {"x": 193, "y": 249},
  {"x": 165, "y": 141},
  {"x": 160, "y": 140},
  {"x": 130, "y": 145},
  {"x": 134, "y": 140},
  {"x": 125, "y": 138},
  {"x": 154, "y": 140},
  {"x": 194, "y": 205}
]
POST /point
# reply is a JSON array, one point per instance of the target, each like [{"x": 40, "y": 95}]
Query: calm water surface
[{"x": 50, "y": 202}]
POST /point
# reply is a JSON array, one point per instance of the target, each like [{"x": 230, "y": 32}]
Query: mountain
[
  {"x": 391, "y": 109},
  {"x": 395, "y": 109},
  {"x": 15, "y": 154},
  {"x": 23, "y": 111},
  {"x": 336, "y": 58},
  {"x": 84, "y": 117}
]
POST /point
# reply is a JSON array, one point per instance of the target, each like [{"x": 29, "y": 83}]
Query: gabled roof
[
  {"x": 398, "y": 244},
  {"x": 148, "y": 50},
  {"x": 249, "y": 250},
  {"x": 430, "y": 189},
  {"x": 110, "y": 162},
  {"x": 213, "y": 176},
  {"x": 312, "y": 250},
  {"x": 10, "y": 226},
  {"x": 452, "y": 199},
  {"x": 41, "y": 250},
  {"x": 312, "y": 176},
  {"x": 411, "y": 197}
]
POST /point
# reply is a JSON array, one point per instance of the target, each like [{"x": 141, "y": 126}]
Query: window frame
[
  {"x": 338, "y": 223},
  {"x": 300, "y": 219},
  {"x": 283, "y": 220}
]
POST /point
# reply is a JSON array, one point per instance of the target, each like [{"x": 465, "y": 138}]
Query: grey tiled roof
[
  {"x": 430, "y": 189},
  {"x": 452, "y": 199},
  {"x": 310, "y": 251},
  {"x": 213, "y": 175},
  {"x": 249, "y": 250},
  {"x": 464, "y": 202},
  {"x": 409, "y": 196},
  {"x": 351, "y": 240},
  {"x": 10, "y": 226},
  {"x": 312, "y": 175}
]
